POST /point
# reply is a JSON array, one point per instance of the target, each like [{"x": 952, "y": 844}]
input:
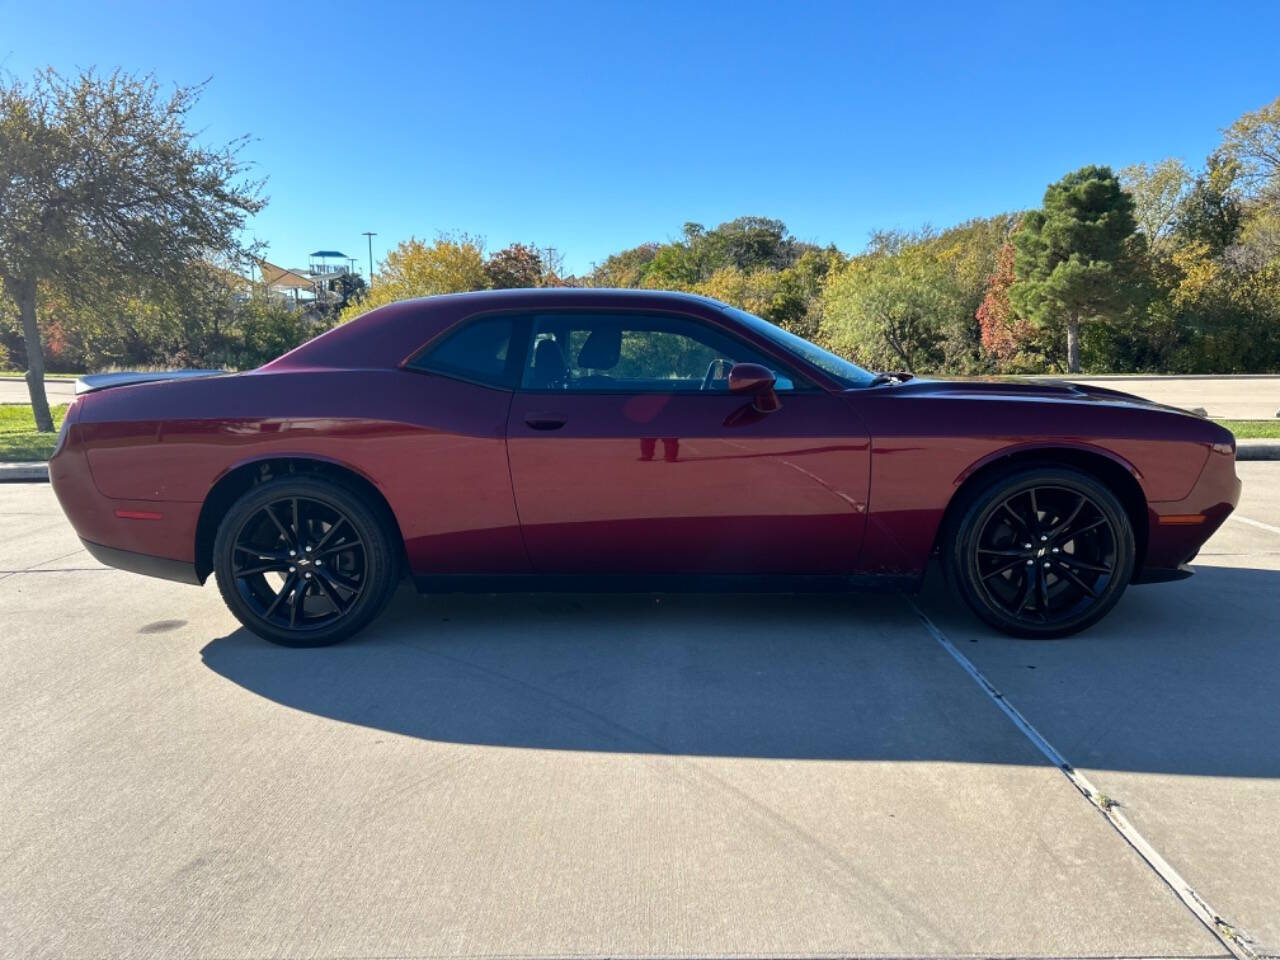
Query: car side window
[
  {"x": 635, "y": 353},
  {"x": 478, "y": 351}
]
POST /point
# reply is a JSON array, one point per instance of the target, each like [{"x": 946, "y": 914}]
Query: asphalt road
[{"x": 632, "y": 777}]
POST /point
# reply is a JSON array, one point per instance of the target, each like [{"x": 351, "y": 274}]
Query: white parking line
[
  {"x": 1231, "y": 937},
  {"x": 1254, "y": 523}
]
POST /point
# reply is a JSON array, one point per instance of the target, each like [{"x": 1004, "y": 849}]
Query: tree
[
  {"x": 349, "y": 287},
  {"x": 796, "y": 304},
  {"x": 1211, "y": 213},
  {"x": 625, "y": 269},
  {"x": 753, "y": 292},
  {"x": 969, "y": 254},
  {"x": 1003, "y": 331},
  {"x": 1253, "y": 142},
  {"x": 1074, "y": 257},
  {"x": 453, "y": 264},
  {"x": 518, "y": 265},
  {"x": 101, "y": 185},
  {"x": 890, "y": 312},
  {"x": 1158, "y": 191},
  {"x": 747, "y": 243}
]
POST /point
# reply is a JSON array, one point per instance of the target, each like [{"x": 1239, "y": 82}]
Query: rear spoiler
[{"x": 104, "y": 381}]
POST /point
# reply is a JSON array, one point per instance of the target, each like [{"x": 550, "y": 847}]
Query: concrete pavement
[
  {"x": 624, "y": 776},
  {"x": 1224, "y": 397},
  {"x": 14, "y": 390}
]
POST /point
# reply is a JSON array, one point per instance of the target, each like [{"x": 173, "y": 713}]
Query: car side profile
[{"x": 580, "y": 439}]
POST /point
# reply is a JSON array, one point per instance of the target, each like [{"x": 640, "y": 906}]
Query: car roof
[
  {"x": 566, "y": 293},
  {"x": 387, "y": 335}
]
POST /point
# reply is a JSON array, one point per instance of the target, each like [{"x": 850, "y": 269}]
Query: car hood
[{"x": 1020, "y": 388}]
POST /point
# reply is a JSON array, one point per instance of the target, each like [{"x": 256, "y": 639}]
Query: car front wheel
[
  {"x": 305, "y": 561},
  {"x": 1043, "y": 552}
]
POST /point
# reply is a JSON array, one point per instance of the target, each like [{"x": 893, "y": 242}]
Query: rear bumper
[
  {"x": 147, "y": 536},
  {"x": 143, "y": 563}
]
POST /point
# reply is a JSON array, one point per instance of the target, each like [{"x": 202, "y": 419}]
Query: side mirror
[{"x": 758, "y": 382}]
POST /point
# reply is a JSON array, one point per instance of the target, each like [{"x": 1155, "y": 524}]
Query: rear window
[{"x": 478, "y": 351}]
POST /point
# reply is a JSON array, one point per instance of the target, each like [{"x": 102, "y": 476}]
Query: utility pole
[{"x": 370, "y": 234}]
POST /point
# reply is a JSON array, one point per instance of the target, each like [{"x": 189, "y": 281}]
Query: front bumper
[{"x": 1177, "y": 529}]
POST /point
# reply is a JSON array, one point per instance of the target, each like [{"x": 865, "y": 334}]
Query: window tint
[
  {"x": 477, "y": 351},
  {"x": 629, "y": 353}
]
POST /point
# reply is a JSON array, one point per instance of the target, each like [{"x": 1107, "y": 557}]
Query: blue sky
[{"x": 597, "y": 126}]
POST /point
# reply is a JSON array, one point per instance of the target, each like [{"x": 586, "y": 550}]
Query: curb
[
  {"x": 1258, "y": 449},
  {"x": 35, "y": 471}
]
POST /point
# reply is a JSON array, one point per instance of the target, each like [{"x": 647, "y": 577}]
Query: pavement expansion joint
[{"x": 1232, "y": 937}]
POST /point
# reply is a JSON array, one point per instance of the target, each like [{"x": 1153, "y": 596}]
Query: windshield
[{"x": 849, "y": 374}]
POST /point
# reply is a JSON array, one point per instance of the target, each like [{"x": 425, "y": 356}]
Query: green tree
[
  {"x": 890, "y": 312},
  {"x": 1158, "y": 191},
  {"x": 748, "y": 243},
  {"x": 796, "y": 304},
  {"x": 675, "y": 266},
  {"x": 1253, "y": 142},
  {"x": 349, "y": 288},
  {"x": 263, "y": 328},
  {"x": 1074, "y": 257},
  {"x": 625, "y": 269},
  {"x": 101, "y": 183},
  {"x": 1212, "y": 212}
]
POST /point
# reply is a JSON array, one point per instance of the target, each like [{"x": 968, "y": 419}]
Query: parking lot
[{"x": 573, "y": 776}]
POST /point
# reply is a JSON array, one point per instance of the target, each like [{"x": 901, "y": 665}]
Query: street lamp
[{"x": 370, "y": 234}]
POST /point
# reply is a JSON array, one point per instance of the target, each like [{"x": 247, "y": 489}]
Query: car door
[{"x": 628, "y": 454}]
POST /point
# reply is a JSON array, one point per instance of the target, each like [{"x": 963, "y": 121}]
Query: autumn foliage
[{"x": 1004, "y": 334}]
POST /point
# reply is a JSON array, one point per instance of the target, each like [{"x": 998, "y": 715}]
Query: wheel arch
[
  {"x": 1117, "y": 474},
  {"x": 244, "y": 476}
]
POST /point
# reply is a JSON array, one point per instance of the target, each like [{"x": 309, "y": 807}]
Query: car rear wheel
[
  {"x": 1043, "y": 552},
  {"x": 305, "y": 561}
]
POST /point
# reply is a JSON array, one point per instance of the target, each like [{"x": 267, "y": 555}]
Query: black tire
[
  {"x": 1042, "y": 552},
  {"x": 270, "y": 554}
]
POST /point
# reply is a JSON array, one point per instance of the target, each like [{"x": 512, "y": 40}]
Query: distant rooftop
[{"x": 330, "y": 253}]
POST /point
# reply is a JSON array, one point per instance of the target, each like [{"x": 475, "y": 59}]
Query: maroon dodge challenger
[{"x": 627, "y": 440}]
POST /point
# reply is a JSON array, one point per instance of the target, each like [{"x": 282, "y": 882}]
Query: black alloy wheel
[
  {"x": 1043, "y": 553},
  {"x": 304, "y": 561}
]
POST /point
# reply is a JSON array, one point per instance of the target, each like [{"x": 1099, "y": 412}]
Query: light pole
[{"x": 370, "y": 234}]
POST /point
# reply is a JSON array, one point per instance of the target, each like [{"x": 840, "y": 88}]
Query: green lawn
[
  {"x": 19, "y": 439},
  {"x": 1253, "y": 429}
]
